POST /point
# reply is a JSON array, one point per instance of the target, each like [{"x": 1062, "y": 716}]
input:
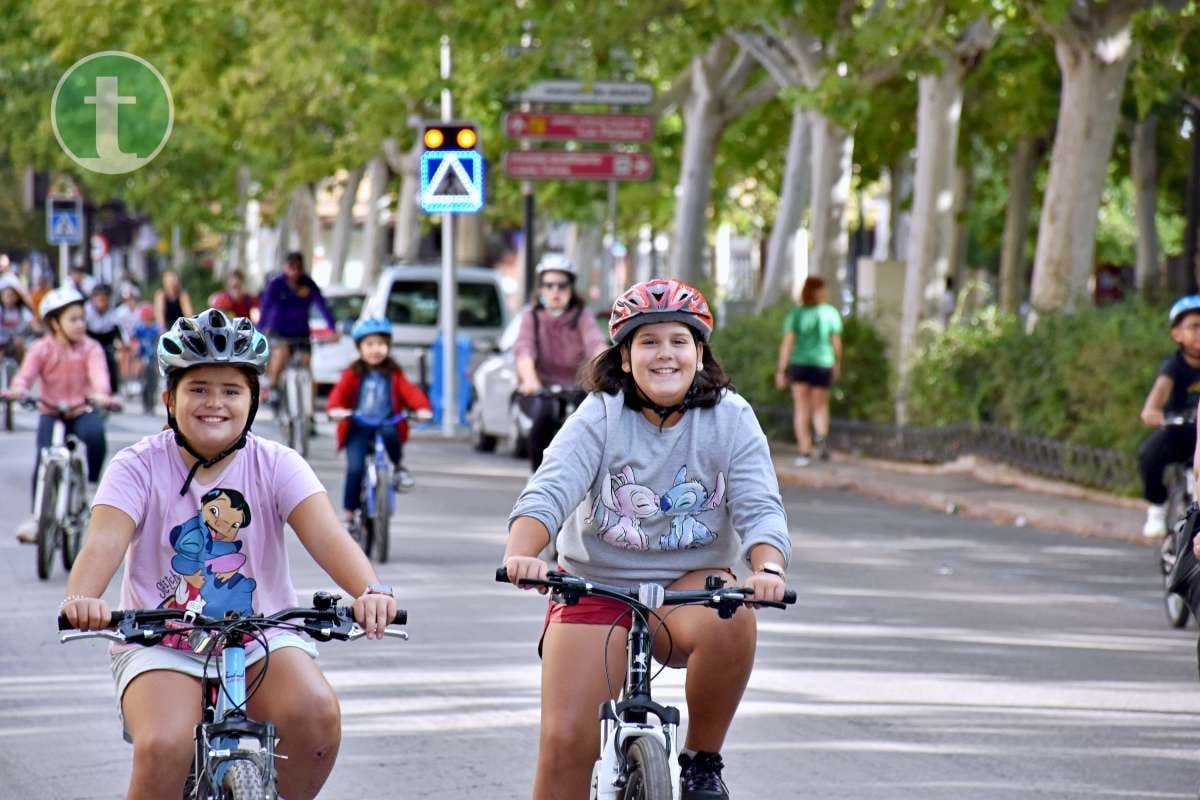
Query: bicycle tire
[
  {"x": 47, "y": 521},
  {"x": 243, "y": 780},
  {"x": 649, "y": 774},
  {"x": 8, "y": 415},
  {"x": 382, "y": 517},
  {"x": 72, "y": 532}
]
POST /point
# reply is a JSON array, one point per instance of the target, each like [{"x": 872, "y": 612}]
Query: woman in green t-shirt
[{"x": 810, "y": 356}]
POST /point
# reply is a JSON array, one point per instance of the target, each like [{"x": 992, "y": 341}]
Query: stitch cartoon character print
[
  {"x": 633, "y": 516},
  {"x": 206, "y": 566}
]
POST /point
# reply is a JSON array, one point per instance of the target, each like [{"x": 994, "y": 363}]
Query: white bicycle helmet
[
  {"x": 58, "y": 299},
  {"x": 556, "y": 262}
]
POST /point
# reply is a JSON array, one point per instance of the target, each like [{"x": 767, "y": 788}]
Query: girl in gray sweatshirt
[{"x": 662, "y": 475}]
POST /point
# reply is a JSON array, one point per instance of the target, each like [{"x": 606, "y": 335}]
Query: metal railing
[{"x": 1112, "y": 470}]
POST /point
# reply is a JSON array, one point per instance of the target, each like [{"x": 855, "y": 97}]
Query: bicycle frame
[{"x": 379, "y": 467}]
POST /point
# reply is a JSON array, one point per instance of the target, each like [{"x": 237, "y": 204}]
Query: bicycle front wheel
[
  {"x": 649, "y": 774},
  {"x": 47, "y": 522},
  {"x": 244, "y": 781},
  {"x": 382, "y": 518}
]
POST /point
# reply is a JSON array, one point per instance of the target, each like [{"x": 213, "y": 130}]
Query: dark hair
[
  {"x": 604, "y": 374},
  {"x": 360, "y": 367},
  {"x": 812, "y": 287},
  {"x": 575, "y": 302},
  {"x": 236, "y": 499},
  {"x": 102, "y": 288},
  {"x": 175, "y": 376},
  {"x": 237, "y": 273},
  {"x": 51, "y": 319},
  {"x": 295, "y": 257}
]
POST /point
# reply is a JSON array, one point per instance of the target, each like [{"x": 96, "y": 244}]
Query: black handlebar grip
[
  {"x": 64, "y": 624},
  {"x": 502, "y": 575},
  {"x": 401, "y": 617},
  {"x": 789, "y": 596}
]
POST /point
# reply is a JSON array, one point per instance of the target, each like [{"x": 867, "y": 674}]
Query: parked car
[
  {"x": 330, "y": 357},
  {"x": 408, "y": 296}
]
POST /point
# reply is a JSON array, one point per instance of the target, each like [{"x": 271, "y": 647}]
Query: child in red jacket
[{"x": 374, "y": 387}]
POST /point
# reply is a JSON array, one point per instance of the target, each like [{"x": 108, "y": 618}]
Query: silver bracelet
[{"x": 69, "y": 598}]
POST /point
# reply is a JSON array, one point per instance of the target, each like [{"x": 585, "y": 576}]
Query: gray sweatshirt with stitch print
[{"x": 635, "y": 504}]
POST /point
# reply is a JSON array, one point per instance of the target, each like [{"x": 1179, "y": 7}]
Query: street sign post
[
  {"x": 451, "y": 182},
  {"x": 64, "y": 219},
  {"x": 587, "y": 165},
  {"x": 554, "y": 126},
  {"x": 611, "y": 93}
]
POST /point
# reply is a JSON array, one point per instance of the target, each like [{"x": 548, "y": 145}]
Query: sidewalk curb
[{"x": 1000, "y": 512}]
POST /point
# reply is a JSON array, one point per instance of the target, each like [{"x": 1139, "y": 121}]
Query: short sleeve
[
  {"x": 1168, "y": 367},
  {"x": 294, "y": 482},
  {"x": 788, "y": 322},
  {"x": 835, "y": 321},
  {"x": 125, "y": 485}
]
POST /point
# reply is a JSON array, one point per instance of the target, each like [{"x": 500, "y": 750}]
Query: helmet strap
[
  {"x": 201, "y": 461},
  {"x": 641, "y": 401}
]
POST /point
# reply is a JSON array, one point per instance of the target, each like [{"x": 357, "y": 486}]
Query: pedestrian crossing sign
[
  {"x": 64, "y": 223},
  {"x": 451, "y": 182}
]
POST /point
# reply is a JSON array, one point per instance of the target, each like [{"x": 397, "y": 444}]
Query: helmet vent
[
  {"x": 194, "y": 343},
  {"x": 171, "y": 347},
  {"x": 220, "y": 342}
]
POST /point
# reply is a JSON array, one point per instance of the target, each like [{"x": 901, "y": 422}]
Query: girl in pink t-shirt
[
  {"x": 73, "y": 378},
  {"x": 198, "y": 512}
]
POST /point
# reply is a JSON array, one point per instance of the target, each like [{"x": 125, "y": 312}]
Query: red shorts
[{"x": 592, "y": 610}]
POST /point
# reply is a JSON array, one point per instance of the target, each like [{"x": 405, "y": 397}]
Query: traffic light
[{"x": 450, "y": 136}]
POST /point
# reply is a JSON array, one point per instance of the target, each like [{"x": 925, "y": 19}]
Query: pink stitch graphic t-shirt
[{"x": 220, "y": 547}]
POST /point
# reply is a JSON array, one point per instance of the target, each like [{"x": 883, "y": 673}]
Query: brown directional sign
[
  {"x": 552, "y": 126},
  {"x": 585, "y": 165}
]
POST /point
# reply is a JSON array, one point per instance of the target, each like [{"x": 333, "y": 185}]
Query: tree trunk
[
  {"x": 1087, "y": 125},
  {"x": 700, "y": 135},
  {"x": 302, "y": 220},
  {"x": 344, "y": 225},
  {"x": 377, "y": 180},
  {"x": 930, "y": 250},
  {"x": 1022, "y": 169},
  {"x": 406, "y": 242},
  {"x": 468, "y": 239},
  {"x": 899, "y": 218},
  {"x": 964, "y": 185},
  {"x": 831, "y": 149},
  {"x": 1145, "y": 180},
  {"x": 793, "y": 198},
  {"x": 237, "y": 258}
]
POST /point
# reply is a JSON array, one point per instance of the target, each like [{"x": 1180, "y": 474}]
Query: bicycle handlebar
[
  {"x": 394, "y": 419},
  {"x": 712, "y": 597},
  {"x": 1179, "y": 420},
  {"x": 148, "y": 626}
]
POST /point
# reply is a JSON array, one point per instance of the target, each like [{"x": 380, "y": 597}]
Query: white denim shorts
[{"x": 128, "y": 664}]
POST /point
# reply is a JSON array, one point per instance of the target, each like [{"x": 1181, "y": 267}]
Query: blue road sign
[
  {"x": 451, "y": 182},
  {"x": 64, "y": 223}
]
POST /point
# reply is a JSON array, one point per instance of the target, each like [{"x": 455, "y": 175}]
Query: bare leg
[
  {"x": 802, "y": 416},
  {"x": 161, "y": 709},
  {"x": 279, "y": 357},
  {"x": 819, "y": 396},
  {"x": 719, "y": 655},
  {"x": 302, "y": 704},
  {"x": 573, "y": 688}
]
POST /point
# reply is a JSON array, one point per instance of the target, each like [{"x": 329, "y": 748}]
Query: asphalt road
[{"x": 929, "y": 657}]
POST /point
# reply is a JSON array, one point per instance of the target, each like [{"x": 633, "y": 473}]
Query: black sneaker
[{"x": 701, "y": 777}]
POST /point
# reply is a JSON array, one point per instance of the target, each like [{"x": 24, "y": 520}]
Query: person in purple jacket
[
  {"x": 286, "y": 301},
  {"x": 557, "y": 337}
]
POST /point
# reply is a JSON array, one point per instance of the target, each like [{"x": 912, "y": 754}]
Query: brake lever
[
  {"x": 74, "y": 636},
  {"x": 357, "y": 632}
]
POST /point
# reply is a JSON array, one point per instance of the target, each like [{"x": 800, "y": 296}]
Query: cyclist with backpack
[
  {"x": 662, "y": 475},
  {"x": 197, "y": 514},
  {"x": 556, "y": 338}
]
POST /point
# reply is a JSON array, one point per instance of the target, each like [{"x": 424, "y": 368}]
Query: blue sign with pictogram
[
  {"x": 451, "y": 182},
  {"x": 64, "y": 222}
]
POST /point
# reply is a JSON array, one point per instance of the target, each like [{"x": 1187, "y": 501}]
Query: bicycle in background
[
  {"x": 639, "y": 759},
  {"x": 9, "y": 365},
  {"x": 235, "y": 755},
  {"x": 372, "y": 527},
  {"x": 1181, "y": 494},
  {"x": 295, "y": 404},
  {"x": 60, "y": 502}
]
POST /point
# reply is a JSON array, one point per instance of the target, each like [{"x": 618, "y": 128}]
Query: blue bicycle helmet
[
  {"x": 370, "y": 325},
  {"x": 1182, "y": 306}
]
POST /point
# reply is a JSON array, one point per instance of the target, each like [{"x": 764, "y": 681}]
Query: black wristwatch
[{"x": 380, "y": 588}]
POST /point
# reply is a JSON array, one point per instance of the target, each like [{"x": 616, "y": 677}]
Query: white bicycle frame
[
  {"x": 57, "y": 451},
  {"x": 615, "y": 736}
]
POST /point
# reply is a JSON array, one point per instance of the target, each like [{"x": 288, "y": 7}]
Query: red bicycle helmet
[{"x": 659, "y": 300}]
